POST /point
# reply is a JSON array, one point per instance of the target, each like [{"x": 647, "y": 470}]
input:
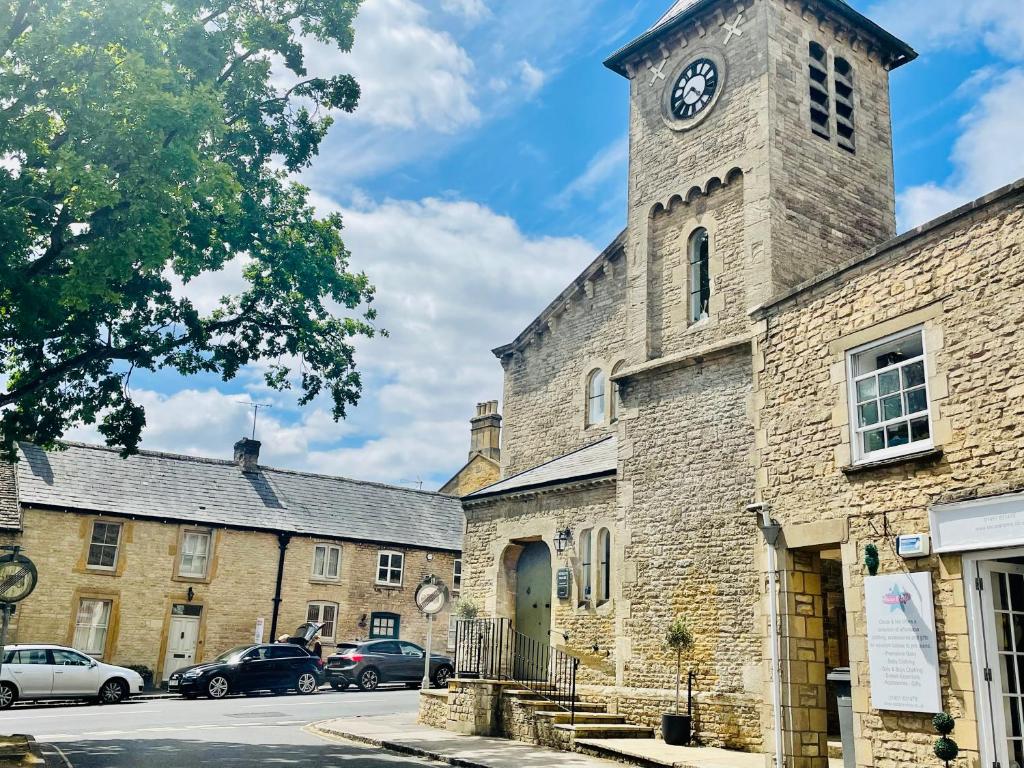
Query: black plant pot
[{"x": 676, "y": 730}]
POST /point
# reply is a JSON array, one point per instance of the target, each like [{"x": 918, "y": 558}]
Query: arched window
[
  {"x": 821, "y": 103},
  {"x": 844, "y": 105},
  {"x": 616, "y": 403},
  {"x": 595, "y": 397},
  {"x": 587, "y": 566},
  {"x": 700, "y": 274},
  {"x": 604, "y": 565}
]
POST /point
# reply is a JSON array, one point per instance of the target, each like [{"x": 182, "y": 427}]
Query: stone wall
[
  {"x": 434, "y": 708},
  {"x": 963, "y": 282},
  {"x": 238, "y": 590},
  {"x": 479, "y": 472}
]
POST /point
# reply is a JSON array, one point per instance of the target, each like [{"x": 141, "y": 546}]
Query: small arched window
[
  {"x": 616, "y": 403},
  {"x": 844, "y": 105},
  {"x": 587, "y": 566},
  {"x": 595, "y": 397},
  {"x": 700, "y": 274},
  {"x": 604, "y": 565}
]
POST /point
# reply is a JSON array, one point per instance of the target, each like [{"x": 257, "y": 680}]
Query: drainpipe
[
  {"x": 771, "y": 530},
  {"x": 282, "y": 544}
]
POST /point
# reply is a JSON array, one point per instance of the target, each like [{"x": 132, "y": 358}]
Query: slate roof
[
  {"x": 214, "y": 492},
  {"x": 598, "y": 459}
]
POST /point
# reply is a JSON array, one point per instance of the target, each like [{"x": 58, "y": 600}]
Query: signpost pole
[
  {"x": 5, "y": 610},
  {"x": 425, "y": 685}
]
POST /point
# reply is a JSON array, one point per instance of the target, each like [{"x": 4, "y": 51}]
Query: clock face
[{"x": 695, "y": 89}]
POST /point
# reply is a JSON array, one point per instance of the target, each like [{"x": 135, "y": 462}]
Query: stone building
[
  {"x": 687, "y": 393},
  {"x": 483, "y": 466},
  {"x": 164, "y": 560}
]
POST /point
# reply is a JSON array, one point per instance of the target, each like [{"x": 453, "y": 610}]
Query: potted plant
[{"x": 677, "y": 728}]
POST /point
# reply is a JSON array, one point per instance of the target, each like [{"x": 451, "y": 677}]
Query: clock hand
[{"x": 692, "y": 89}]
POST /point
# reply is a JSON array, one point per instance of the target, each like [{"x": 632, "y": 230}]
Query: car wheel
[
  {"x": 113, "y": 692},
  {"x": 369, "y": 679},
  {"x": 339, "y": 686},
  {"x": 442, "y": 676},
  {"x": 217, "y": 687},
  {"x": 8, "y": 695},
  {"x": 306, "y": 684}
]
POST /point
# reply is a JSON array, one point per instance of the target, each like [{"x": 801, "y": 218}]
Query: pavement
[
  {"x": 401, "y": 733},
  {"x": 236, "y": 732}
]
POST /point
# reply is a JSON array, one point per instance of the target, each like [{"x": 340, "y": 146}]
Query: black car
[
  {"x": 384, "y": 661},
  {"x": 276, "y": 667}
]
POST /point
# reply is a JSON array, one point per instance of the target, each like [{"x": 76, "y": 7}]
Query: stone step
[
  {"x": 582, "y": 718},
  {"x": 541, "y": 705},
  {"x": 606, "y": 731},
  {"x": 835, "y": 750}
]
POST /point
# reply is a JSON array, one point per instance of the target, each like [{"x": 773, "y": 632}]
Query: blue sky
[{"x": 485, "y": 168}]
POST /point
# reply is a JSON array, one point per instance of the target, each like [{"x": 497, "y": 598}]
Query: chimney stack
[
  {"x": 247, "y": 454},
  {"x": 485, "y": 431}
]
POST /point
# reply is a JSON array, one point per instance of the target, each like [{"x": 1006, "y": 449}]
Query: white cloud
[
  {"x": 454, "y": 279},
  {"x": 607, "y": 167},
  {"x": 935, "y": 24},
  {"x": 531, "y": 77},
  {"x": 984, "y": 156},
  {"x": 473, "y": 10}
]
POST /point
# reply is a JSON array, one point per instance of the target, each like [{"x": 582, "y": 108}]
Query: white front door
[
  {"x": 1003, "y": 607},
  {"x": 181, "y": 643}
]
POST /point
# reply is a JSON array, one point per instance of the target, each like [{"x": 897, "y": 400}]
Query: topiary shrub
[{"x": 945, "y": 748}]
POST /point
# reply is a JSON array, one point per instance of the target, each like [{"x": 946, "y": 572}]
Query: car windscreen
[
  {"x": 343, "y": 648},
  {"x": 234, "y": 653}
]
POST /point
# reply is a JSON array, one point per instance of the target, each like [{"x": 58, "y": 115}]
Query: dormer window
[
  {"x": 595, "y": 397},
  {"x": 700, "y": 275}
]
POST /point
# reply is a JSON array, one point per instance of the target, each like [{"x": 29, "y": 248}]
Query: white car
[{"x": 32, "y": 672}]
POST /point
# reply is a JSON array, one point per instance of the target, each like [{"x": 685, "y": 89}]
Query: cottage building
[
  {"x": 678, "y": 433},
  {"x": 163, "y": 560}
]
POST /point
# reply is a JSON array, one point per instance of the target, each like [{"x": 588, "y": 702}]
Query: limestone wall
[{"x": 963, "y": 282}]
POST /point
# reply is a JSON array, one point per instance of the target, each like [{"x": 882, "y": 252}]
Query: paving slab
[
  {"x": 402, "y": 734},
  {"x": 654, "y": 752}
]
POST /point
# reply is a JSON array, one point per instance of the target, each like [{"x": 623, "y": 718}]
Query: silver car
[
  {"x": 384, "y": 661},
  {"x": 32, "y": 672}
]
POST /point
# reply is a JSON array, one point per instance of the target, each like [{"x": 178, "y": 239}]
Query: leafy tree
[{"x": 144, "y": 143}]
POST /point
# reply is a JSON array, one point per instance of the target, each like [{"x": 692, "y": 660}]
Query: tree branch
[{"x": 18, "y": 25}]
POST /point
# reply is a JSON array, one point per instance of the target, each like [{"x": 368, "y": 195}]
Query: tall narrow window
[
  {"x": 91, "y": 626},
  {"x": 195, "y": 554},
  {"x": 323, "y": 613},
  {"x": 844, "y": 105},
  {"x": 821, "y": 102},
  {"x": 457, "y": 577},
  {"x": 586, "y": 563},
  {"x": 595, "y": 397},
  {"x": 700, "y": 274},
  {"x": 604, "y": 565}
]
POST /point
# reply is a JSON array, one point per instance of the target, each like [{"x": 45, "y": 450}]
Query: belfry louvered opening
[
  {"x": 844, "y": 105},
  {"x": 821, "y": 108}
]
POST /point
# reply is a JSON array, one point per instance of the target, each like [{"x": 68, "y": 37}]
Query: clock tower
[{"x": 760, "y": 156}]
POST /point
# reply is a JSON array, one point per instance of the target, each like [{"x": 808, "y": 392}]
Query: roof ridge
[{"x": 229, "y": 463}]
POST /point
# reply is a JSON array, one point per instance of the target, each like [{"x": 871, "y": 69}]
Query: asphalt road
[{"x": 234, "y": 732}]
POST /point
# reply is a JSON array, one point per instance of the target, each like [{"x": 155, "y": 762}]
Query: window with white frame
[
  {"x": 616, "y": 401},
  {"x": 106, "y": 537},
  {"x": 323, "y": 613},
  {"x": 595, "y": 397},
  {"x": 91, "y": 625},
  {"x": 604, "y": 565},
  {"x": 457, "y": 576},
  {"x": 389, "y": 568},
  {"x": 586, "y": 565},
  {"x": 195, "y": 554},
  {"x": 889, "y": 397},
  {"x": 326, "y": 561}
]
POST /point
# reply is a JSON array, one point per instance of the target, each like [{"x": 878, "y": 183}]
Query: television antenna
[{"x": 255, "y": 412}]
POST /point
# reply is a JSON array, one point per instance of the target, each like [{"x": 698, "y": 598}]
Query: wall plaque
[
  {"x": 902, "y": 649},
  {"x": 994, "y": 522}
]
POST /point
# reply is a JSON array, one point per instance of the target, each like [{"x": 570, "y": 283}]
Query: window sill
[
  {"x": 191, "y": 579},
  {"x": 388, "y": 586},
  {"x": 96, "y": 571},
  {"x": 323, "y": 580},
  {"x": 931, "y": 455}
]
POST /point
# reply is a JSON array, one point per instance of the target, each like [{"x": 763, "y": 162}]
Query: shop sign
[
  {"x": 990, "y": 523},
  {"x": 902, "y": 645}
]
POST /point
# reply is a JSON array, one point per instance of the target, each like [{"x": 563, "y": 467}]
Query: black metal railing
[{"x": 491, "y": 649}]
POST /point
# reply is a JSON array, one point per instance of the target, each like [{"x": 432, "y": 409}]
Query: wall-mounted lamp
[
  {"x": 562, "y": 540},
  {"x": 190, "y": 594},
  {"x": 362, "y": 621}
]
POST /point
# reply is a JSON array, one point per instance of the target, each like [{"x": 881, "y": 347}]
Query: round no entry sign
[{"x": 431, "y": 597}]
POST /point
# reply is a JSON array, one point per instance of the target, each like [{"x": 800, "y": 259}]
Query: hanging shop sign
[{"x": 902, "y": 646}]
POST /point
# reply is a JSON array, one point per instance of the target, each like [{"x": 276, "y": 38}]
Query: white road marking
[
  {"x": 306, "y": 703},
  {"x": 65, "y": 715},
  {"x": 62, "y": 755}
]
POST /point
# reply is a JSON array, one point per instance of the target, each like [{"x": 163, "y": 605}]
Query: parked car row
[{"x": 36, "y": 672}]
